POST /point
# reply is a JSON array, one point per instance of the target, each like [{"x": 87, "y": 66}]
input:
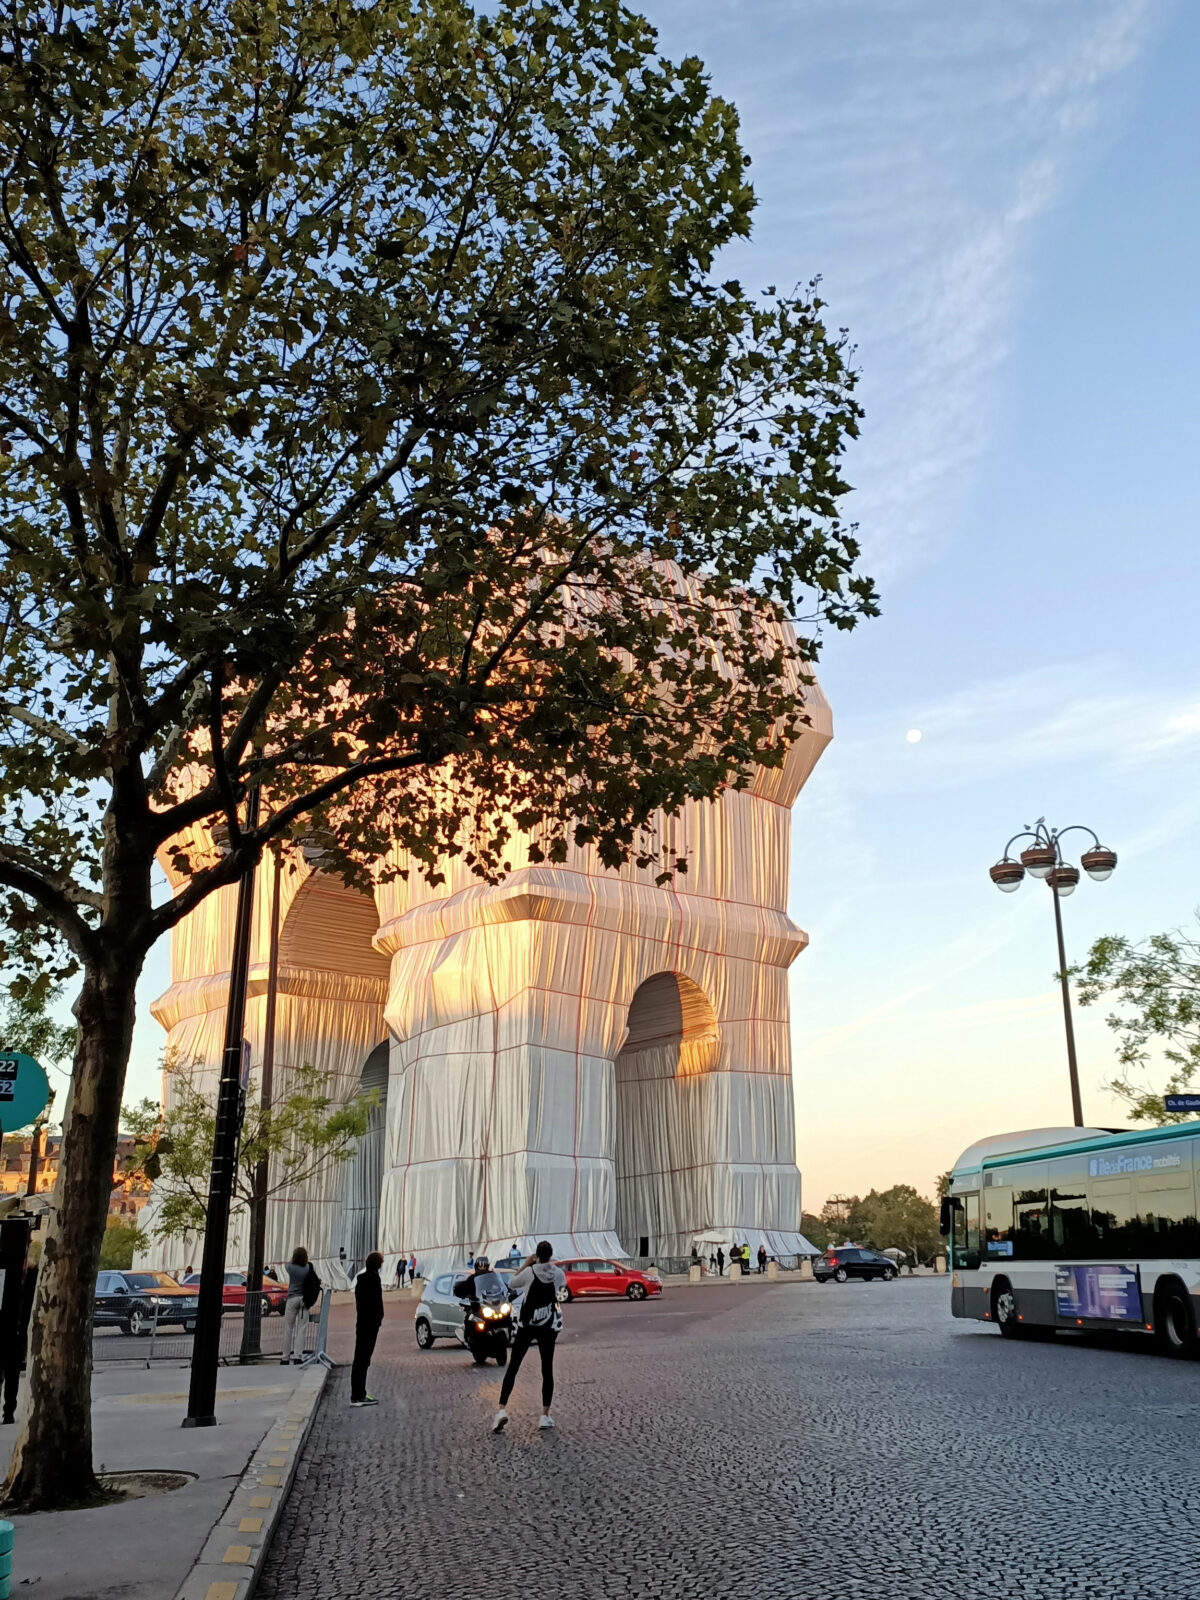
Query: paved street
[{"x": 800, "y": 1440}]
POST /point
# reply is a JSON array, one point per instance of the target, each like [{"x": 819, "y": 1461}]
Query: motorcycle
[{"x": 487, "y": 1320}]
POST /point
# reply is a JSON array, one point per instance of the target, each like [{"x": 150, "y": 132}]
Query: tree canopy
[
  {"x": 898, "y": 1218},
  {"x": 357, "y": 365},
  {"x": 1155, "y": 983}
]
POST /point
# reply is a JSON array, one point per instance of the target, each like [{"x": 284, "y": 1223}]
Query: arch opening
[
  {"x": 665, "y": 1104},
  {"x": 364, "y": 1176}
]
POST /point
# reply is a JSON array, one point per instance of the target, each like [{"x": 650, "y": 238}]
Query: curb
[{"x": 228, "y": 1566}]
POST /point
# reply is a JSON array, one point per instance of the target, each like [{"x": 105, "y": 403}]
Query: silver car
[{"x": 439, "y": 1313}]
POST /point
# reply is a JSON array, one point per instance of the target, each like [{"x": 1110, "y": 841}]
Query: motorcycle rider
[{"x": 466, "y": 1289}]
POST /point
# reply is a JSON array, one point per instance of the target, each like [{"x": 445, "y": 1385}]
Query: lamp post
[
  {"x": 252, "y": 1316},
  {"x": 202, "y": 1393},
  {"x": 1043, "y": 858},
  {"x": 312, "y": 851}
]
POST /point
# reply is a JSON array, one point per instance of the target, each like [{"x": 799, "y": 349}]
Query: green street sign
[{"x": 24, "y": 1090}]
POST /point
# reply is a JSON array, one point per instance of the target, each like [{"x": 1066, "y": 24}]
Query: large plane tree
[{"x": 362, "y": 368}]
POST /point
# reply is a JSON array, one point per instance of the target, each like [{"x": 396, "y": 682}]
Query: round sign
[{"x": 24, "y": 1090}]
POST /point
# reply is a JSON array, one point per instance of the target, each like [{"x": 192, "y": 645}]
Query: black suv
[
  {"x": 853, "y": 1263},
  {"x": 133, "y": 1301}
]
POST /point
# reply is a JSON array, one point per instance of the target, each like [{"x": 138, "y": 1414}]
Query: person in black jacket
[
  {"x": 17, "y": 1345},
  {"x": 368, "y": 1305}
]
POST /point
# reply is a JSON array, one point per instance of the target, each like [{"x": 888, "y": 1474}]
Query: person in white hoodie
[{"x": 539, "y": 1322}]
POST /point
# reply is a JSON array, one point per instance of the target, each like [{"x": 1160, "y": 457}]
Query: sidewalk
[{"x": 144, "y": 1549}]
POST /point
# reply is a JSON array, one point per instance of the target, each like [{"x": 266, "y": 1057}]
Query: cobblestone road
[{"x": 782, "y": 1441}]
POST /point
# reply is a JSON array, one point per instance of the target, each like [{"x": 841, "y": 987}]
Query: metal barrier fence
[
  {"x": 169, "y": 1342},
  {"x": 677, "y": 1266}
]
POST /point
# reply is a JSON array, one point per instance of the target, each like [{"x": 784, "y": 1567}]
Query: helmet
[{"x": 482, "y": 1264}]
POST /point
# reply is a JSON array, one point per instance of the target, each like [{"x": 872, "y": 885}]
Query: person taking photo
[{"x": 538, "y": 1322}]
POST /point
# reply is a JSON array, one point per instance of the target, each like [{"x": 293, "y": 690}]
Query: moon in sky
[{"x": 913, "y": 736}]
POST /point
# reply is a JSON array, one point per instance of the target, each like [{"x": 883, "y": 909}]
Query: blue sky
[{"x": 1002, "y": 200}]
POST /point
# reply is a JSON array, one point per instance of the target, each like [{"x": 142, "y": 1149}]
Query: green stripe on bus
[{"x": 1111, "y": 1141}]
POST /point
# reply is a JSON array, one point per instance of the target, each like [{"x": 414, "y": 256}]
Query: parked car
[
  {"x": 853, "y": 1263},
  {"x": 596, "y": 1276},
  {"x": 439, "y": 1313},
  {"x": 132, "y": 1301},
  {"x": 274, "y": 1295}
]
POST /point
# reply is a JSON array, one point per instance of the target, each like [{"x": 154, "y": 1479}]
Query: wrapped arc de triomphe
[{"x": 575, "y": 1053}]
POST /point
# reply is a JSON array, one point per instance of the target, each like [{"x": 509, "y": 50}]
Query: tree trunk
[{"x": 52, "y": 1463}]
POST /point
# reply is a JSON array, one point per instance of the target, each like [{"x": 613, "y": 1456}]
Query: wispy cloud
[
  {"x": 1046, "y": 718},
  {"x": 907, "y": 151}
]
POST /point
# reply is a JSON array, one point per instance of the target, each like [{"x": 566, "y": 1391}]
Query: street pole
[
  {"x": 252, "y": 1320},
  {"x": 35, "y": 1156},
  {"x": 1072, "y": 1064},
  {"x": 1042, "y": 858},
  {"x": 206, "y": 1346}
]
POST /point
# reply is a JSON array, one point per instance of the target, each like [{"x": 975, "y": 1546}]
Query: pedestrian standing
[
  {"x": 301, "y": 1273},
  {"x": 471, "y": 1262},
  {"x": 762, "y": 1258},
  {"x": 368, "y": 1318},
  {"x": 401, "y": 1264},
  {"x": 539, "y": 1322},
  {"x": 720, "y": 1262},
  {"x": 16, "y": 1347},
  {"x": 412, "y": 1269}
]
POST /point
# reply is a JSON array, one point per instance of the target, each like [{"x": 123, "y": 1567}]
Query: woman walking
[
  {"x": 295, "y": 1310},
  {"x": 539, "y": 1322}
]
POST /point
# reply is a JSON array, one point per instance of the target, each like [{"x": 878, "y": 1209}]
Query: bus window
[
  {"x": 997, "y": 1222},
  {"x": 1166, "y": 1206},
  {"x": 966, "y": 1233},
  {"x": 1071, "y": 1223},
  {"x": 1031, "y": 1224},
  {"x": 1112, "y": 1215}
]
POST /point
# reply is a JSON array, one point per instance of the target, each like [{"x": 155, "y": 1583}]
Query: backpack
[
  {"x": 539, "y": 1305},
  {"x": 310, "y": 1289}
]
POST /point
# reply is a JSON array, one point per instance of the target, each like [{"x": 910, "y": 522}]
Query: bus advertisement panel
[{"x": 1108, "y": 1292}]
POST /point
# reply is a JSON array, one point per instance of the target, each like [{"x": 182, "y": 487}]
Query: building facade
[{"x": 576, "y": 1053}]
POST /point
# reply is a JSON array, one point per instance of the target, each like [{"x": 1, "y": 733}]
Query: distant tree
[
  {"x": 26, "y": 1024},
  {"x": 1156, "y": 986},
  {"x": 815, "y": 1230},
  {"x": 836, "y": 1214},
  {"x": 943, "y": 1183},
  {"x": 899, "y": 1218},
  {"x": 122, "y": 1239},
  {"x": 306, "y": 1132}
]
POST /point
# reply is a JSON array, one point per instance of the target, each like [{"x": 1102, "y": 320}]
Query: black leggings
[{"x": 545, "y": 1343}]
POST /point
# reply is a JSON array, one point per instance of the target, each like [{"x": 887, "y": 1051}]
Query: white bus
[{"x": 1079, "y": 1228}]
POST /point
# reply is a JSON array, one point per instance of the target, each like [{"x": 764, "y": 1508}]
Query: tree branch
[
  {"x": 60, "y": 901},
  {"x": 43, "y": 726}
]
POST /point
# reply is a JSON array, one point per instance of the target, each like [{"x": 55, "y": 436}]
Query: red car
[
  {"x": 607, "y": 1277},
  {"x": 234, "y": 1295}
]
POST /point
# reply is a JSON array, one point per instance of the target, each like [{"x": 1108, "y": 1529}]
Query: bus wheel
[
  {"x": 1004, "y": 1310},
  {"x": 1174, "y": 1325}
]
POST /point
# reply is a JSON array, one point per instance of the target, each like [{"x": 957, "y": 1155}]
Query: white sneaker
[
  {"x": 499, "y": 1421},
  {"x": 546, "y": 1422}
]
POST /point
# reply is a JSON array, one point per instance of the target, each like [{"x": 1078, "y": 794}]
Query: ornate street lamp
[{"x": 1043, "y": 858}]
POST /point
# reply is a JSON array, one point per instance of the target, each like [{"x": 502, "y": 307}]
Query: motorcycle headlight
[
  {"x": 505, "y": 1309},
  {"x": 488, "y": 1312}
]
